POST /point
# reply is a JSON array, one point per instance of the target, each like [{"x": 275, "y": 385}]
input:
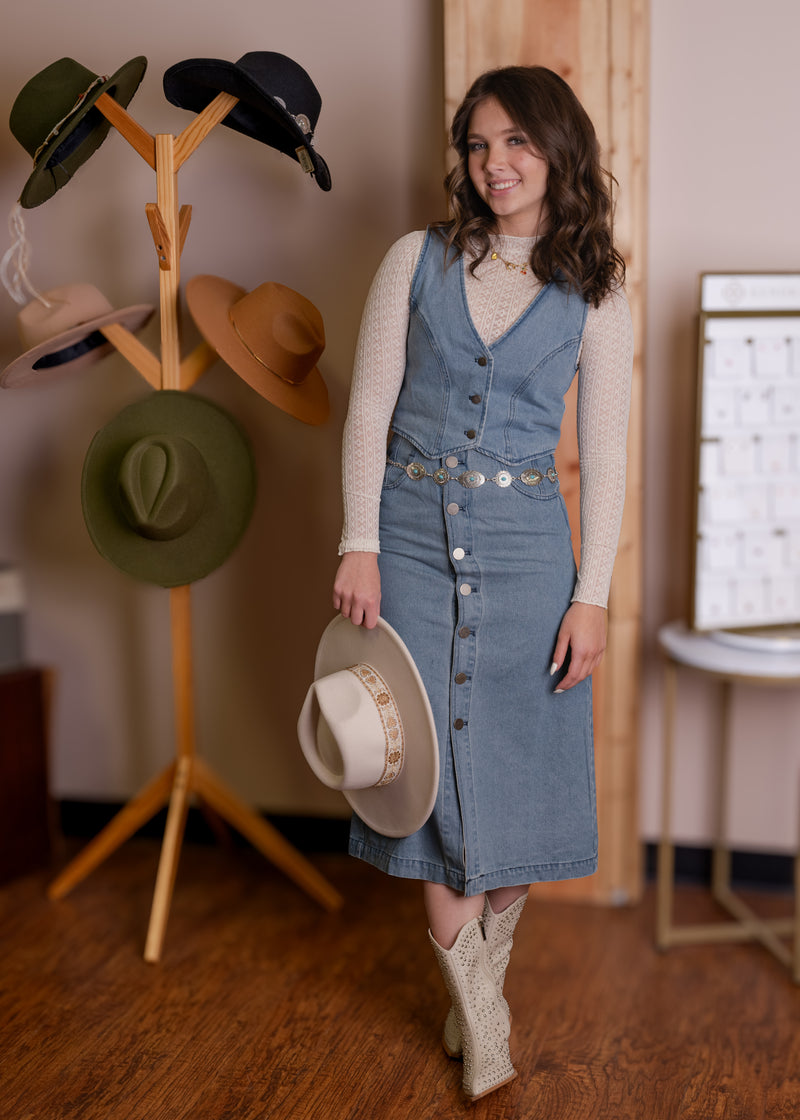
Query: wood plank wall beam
[{"x": 601, "y": 47}]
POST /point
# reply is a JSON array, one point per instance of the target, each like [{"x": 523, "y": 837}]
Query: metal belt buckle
[
  {"x": 471, "y": 480},
  {"x": 415, "y": 471}
]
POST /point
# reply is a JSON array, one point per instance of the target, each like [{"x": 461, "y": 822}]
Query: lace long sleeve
[
  {"x": 604, "y": 390},
  {"x": 377, "y": 377}
]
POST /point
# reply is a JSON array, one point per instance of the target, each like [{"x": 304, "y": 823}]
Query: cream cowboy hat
[
  {"x": 366, "y": 727},
  {"x": 61, "y": 332},
  {"x": 272, "y": 337},
  {"x": 55, "y": 119}
]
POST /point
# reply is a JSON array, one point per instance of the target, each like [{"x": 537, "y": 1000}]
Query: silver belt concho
[{"x": 471, "y": 480}]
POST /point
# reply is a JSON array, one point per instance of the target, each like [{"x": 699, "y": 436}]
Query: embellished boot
[
  {"x": 499, "y": 932},
  {"x": 480, "y": 1014}
]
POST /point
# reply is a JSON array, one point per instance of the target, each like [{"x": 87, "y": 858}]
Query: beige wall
[{"x": 724, "y": 168}]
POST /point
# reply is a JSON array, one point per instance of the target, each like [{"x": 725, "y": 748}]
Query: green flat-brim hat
[
  {"x": 55, "y": 119},
  {"x": 168, "y": 488}
]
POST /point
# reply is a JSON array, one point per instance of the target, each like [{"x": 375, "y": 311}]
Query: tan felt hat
[
  {"x": 272, "y": 337},
  {"x": 61, "y": 332}
]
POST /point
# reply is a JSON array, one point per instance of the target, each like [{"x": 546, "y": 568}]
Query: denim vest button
[
  {"x": 452, "y": 507},
  {"x": 483, "y": 360},
  {"x": 475, "y": 398},
  {"x": 458, "y": 724},
  {"x": 451, "y": 461},
  {"x": 461, "y": 678},
  {"x": 470, "y": 433},
  {"x": 458, "y": 554},
  {"x": 464, "y": 632},
  {"x": 465, "y": 589}
]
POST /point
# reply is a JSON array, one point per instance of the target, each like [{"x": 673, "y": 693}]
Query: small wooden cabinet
[{"x": 25, "y": 809}]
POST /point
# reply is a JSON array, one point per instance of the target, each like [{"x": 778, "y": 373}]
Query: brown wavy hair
[{"x": 576, "y": 246}]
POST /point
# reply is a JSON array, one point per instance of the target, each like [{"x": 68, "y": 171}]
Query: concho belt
[{"x": 471, "y": 480}]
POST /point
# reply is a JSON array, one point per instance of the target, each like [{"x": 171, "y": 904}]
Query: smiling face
[{"x": 506, "y": 170}]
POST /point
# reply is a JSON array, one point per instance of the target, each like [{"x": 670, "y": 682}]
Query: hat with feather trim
[{"x": 55, "y": 119}]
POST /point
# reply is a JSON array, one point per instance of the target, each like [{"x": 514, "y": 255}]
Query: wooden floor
[{"x": 263, "y": 1006}]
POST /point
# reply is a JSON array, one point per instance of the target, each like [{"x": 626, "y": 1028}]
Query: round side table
[{"x": 730, "y": 663}]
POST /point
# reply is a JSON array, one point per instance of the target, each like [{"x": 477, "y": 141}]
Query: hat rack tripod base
[
  {"x": 188, "y": 776},
  {"x": 184, "y": 778}
]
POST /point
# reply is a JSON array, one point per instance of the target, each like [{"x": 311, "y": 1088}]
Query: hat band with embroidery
[{"x": 390, "y": 719}]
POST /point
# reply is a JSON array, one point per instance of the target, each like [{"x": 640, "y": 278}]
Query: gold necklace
[{"x": 523, "y": 268}]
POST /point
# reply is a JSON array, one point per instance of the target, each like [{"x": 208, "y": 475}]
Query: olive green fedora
[
  {"x": 55, "y": 120},
  {"x": 168, "y": 488}
]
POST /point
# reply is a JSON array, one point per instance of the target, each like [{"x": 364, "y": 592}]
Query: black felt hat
[{"x": 278, "y": 103}]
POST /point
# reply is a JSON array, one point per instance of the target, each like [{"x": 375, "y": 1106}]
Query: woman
[{"x": 472, "y": 333}]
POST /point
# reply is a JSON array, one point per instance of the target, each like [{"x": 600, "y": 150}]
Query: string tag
[{"x": 16, "y": 262}]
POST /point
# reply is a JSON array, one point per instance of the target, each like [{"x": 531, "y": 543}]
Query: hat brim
[
  {"x": 66, "y": 152},
  {"x": 195, "y": 82},
  {"x": 229, "y": 503},
  {"x": 71, "y": 350},
  {"x": 401, "y": 808},
  {"x": 209, "y": 299}
]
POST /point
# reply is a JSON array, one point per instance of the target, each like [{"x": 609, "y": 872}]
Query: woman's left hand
[{"x": 583, "y": 634}]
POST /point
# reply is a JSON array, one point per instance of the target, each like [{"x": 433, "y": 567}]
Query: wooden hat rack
[{"x": 187, "y": 776}]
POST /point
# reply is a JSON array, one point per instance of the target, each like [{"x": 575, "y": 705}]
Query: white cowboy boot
[
  {"x": 480, "y": 1013},
  {"x": 499, "y": 931}
]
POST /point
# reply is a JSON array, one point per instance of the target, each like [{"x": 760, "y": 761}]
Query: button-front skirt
[{"x": 476, "y": 581}]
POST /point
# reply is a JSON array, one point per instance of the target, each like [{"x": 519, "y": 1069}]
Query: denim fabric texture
[
  {"x": 476, "y": 582},
  {"x": 458, "y": 393}
]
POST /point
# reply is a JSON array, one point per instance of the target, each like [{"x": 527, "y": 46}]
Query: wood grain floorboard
[{"x": 265, "y": 1007}]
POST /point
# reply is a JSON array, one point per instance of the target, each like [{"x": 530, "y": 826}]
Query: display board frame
[{"x": 745, "y": 540}]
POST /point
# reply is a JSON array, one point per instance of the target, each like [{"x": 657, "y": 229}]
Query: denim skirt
[{"x": 476, "y": 581}]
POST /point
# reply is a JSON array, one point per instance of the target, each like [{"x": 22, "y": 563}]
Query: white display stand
[{"x": 730, "y": 663}]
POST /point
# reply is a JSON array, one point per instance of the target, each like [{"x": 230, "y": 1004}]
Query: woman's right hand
[{"x": 357, "y": 588}]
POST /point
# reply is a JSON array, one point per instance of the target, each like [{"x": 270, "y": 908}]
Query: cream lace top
[{"x": 497, "y": 296}]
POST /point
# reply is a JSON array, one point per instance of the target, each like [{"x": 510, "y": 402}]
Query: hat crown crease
[
  {"x": 163, "y": 484},
  {"x": 286, "y": 343},
  {"x": 359, "y": 732}
]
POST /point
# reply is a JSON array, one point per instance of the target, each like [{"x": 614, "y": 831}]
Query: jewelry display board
[{"x": 746, "y": 537}]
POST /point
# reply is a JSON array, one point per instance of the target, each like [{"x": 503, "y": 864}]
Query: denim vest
[{"x": 506, "y": 399}]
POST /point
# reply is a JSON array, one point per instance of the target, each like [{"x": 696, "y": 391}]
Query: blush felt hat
[
  {"x": 272, "y": 337},
  {"x": 60, "y": 330},
  {"x": 168, "y": 488},
  {"x": 55, "y": 119},
  {"x": 278, "y": 104},
  {"x": 366, "y": 727}
]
